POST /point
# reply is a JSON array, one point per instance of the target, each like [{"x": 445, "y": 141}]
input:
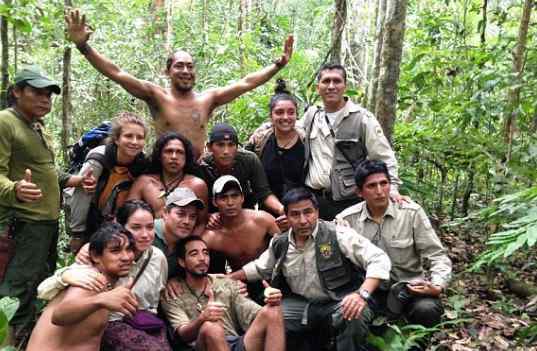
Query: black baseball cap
[{"x": 223, "y": 131}]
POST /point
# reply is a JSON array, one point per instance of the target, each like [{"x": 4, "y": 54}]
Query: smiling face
[
  {"x": 196, "y": 261},
  {"x": 33, "y": 102},
  {"x": 283, "y": 115},
  {"x": 141, "y": 225},
  {"x": 182, "y": 72},
  {"x": 331, "y": 87},
  {"x": 130, "y": 141},
  {"x": 180, "y": 221}
]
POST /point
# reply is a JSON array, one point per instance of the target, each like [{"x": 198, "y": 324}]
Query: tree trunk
[
  {"x": 374, "y": 82},
  {"x": 169, "y": 27},
  {"x": 241, "y": 28},
  {"x": 484, "y": 22},
  {"x": 15, "y": 48},
  {"x": 66, "y": 96},
  {"x": 340, "y": 18},
  {"x": 5, "y": 61},
  {"x": 392, "y": 50},
  {"x": 513, "y": 97}
]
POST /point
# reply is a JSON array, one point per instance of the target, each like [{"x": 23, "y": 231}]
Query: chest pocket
[
  {"x": 401, "y": 250},
  {"x": 352, "y": 147}
]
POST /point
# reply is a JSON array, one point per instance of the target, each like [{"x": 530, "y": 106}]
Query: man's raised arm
[
  {"x": 79, "y": 34},
  {"x": 226, "y": 94}
]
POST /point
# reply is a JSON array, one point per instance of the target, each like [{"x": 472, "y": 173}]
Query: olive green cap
[{"x": 34, "y": 77}]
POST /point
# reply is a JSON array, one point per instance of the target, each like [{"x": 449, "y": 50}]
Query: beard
[
  {"x": 184, "y": 88},
  {"x": 197, "y": 274}
]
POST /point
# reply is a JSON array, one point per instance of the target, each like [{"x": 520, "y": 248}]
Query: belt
[{"x": 324, "y": 193}]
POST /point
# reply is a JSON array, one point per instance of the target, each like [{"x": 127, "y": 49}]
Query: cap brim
[
  {"x": 44, "y": 83},
  {"x": 196, "y": 202}
]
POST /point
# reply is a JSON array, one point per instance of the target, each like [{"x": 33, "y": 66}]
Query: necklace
[
  {"x": 174, "y": 183},
  {"x": 199, "y": 306}
]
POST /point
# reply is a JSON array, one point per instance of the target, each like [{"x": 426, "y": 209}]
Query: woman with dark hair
[
  {"x": 280, "y": 146},
  {"x": 122, "y": 333},
  {"x": 115, "y": 166},
  {"x": 172, "y": 166}
]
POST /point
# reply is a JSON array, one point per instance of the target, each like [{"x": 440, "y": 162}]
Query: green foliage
[
  {"x": 519, "y": 213},
  {"x": 527, "y": 335},
  {"x": 8, "y": 307}
]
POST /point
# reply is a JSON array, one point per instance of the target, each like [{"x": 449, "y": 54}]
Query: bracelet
[
  {"x": 278, "y": 63},
  {"x": 84, "y": 48}
]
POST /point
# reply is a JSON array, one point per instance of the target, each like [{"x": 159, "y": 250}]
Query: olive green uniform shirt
[
  {"x": 408, "y": 238},
  {"x": 25, "y": 145},
  {"x": 239, "y": 313}
]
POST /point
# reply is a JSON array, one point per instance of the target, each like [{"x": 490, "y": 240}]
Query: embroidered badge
[{"x": 326, "y": 250}]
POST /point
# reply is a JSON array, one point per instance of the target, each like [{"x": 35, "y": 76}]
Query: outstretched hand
[
  {"x": 287, "y": 52},
  {"x": 424, "y": 288},
  {"x": 77, "y": 30}
]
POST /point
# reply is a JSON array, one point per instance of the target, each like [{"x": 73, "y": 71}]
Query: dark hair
[
  {"x": 296, "y": 195},
  {"x": 368, "y": 167},
  {"x": 332, "y": 66},
  {"x": 169, "y": 60},
  {"x": 281, "y": 94},
  {"x": 129, "y": 207},
  {"x": 109, "y": 232},
  {"x": 156, "y": 161},
  {"x": 180, "y": 247},
  {"x": 10, "y": 95}
]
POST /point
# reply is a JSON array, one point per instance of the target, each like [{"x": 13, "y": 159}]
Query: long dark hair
[{"x": 156, "y": 161}]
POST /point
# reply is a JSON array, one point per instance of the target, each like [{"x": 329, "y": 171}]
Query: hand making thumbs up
[
  {"x": 273, "y": 297},
  {"x": 25, "y": 190}
]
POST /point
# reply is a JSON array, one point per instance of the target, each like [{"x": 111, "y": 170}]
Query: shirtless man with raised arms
[
  {"x": 75, "y": 319},
  {"x": 177, "y": 108}
]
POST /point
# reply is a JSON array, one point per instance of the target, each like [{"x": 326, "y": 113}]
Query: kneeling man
[
  {"x": 75, "y": 319},
  {"x": 211, "y": 311},
  {"x": 404, "y": 232},
  {"x": 327, "y": 274}
]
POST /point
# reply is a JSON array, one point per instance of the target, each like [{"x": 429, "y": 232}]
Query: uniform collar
[
  {"x": 313, "y": 235},
  {"x": 390, "y": 211}
]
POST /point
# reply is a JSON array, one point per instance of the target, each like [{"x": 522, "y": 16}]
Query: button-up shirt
[
  {"x": 406, "y": 235},
  {"x": 239, "y": 311},
  {"x": 300, "y": 266}
]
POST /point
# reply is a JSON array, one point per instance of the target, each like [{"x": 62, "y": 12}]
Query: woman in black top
[{"x": 279, "y": 145}]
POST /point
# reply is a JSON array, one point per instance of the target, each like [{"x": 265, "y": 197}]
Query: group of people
[{"x": 296, "y": 241}]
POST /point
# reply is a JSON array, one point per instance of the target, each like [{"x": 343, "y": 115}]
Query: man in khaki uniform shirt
[
  {"x": 404, "y": 232},
  {"x": 327, "y": 274},
  {"x": 338, "y": 136},
  {"x": 211, "y": 311}
]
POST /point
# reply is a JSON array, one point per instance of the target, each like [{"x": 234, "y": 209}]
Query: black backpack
[{"x": 91, "y": 139}]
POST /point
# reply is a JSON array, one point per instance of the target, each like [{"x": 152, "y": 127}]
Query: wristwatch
[{"x": 364, "y": 294}]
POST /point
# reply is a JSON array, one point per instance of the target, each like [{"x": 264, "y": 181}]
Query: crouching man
[
  {"x": 211, "y": 312},
  {"x": 75, "y": 319},
  {"x": 405, "y": 233},
  {"x": 327, "y": 273}
]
